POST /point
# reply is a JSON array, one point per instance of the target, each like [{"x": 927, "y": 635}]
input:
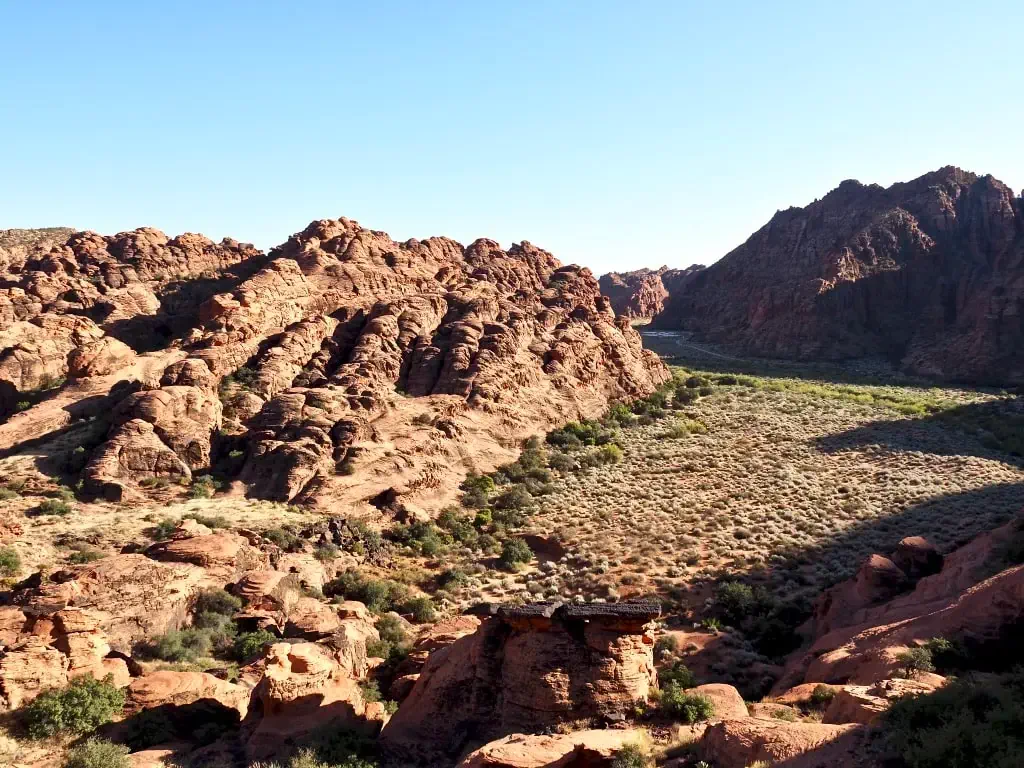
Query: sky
[{"x": 615, "y": 134}]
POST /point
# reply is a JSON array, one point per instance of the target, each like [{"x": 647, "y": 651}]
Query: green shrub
[
  {"x": 378, "y": 595},
  {"x": 217, "y": 601},
  {"x": 588, "y": 432},
  {"x": 184, "y": 645},
  {"x": 515, "y": 552},
  {"x": 968, "y": 723},
  {"x": 476, "y": 490},
  {"x": 204, "y": 486},
  {"x": 85, "y": 554},
  {"x": 6, "y": 494},
  {"x": 689, "y": 707},
  {"x": 97, "y": 753},
  {"x": 666, "y": 645},
  {"x": 706, "y": 391},
  {"x": 10, "y": 561},
  {"x": 516, "y": 497},
  {"x": 561, "y": 462},
  {"x": 421, "y": 608},
  {"x": 631, "y": 756},
  {"x": 53, "y": 507},
  {"x": 453, "y": 579},
  {"x": 283, "y": 538},
  {"x": 678, "y": 674},
  {"x": 948, "y": 654},
  {"x": 821, "y": 696},
  {"x": 392, "y": 630},
  {"x": 785, "y": 714},
  {"x": 422, "y": 537},
  {"x": 916, "y": 660},
  {"x": 249, "y": 644},
  {"x": 81, "y": 708},
  {"x": 733, "y": 601},
  {"x": 326, "y": 552},
  {"x": 211, "y": 521},
  {"x": 164, "y": 529}
]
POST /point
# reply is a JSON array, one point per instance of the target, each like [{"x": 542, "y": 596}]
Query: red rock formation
[
  {"x": 582, "y": 749},
  {"x": 527, "y": 669},
  {"x": 743, "y": 742},
  {"x": 340, "y": 336},
  {"x": 642, "y": 294},
  {"x": 928, "y": 273},
  {"x": 859, "y": 642}
]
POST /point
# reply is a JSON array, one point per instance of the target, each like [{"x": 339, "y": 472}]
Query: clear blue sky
[{"x": 615, "y": 134}]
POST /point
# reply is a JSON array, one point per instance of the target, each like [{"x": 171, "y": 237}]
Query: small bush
[
  {"x": 734, "y": 601},
  {"x": 204, "y": 486},
  {"x": 164, "y": 529},
  {"x": 97, "y": 753},
  {"x": 666, "y": 645},
  {"x": 561, "y": 462},
  {"x": 515, "y": 552},
  {"x": 679, "y": 674},
  {"x": 821, "y": 696},
  {"x": 85, "y": 554},
  {"x": 689, "y": 707},
  {"x": 185, "y": 645},
  {"x": 631, "y": 756},
  {"x": 53, "y": 507},
  {"x": 392, "y": 630},
  {"x": 82, "y": 707},
  {"x": 217, "y": 601},
  {"x": 421, "y": 608},
  {"x": 6, "y": 494},
  {"x": 10, "y": 561},
  {"x": 249, "y": 644},
  {"x": 283, "y": 538},
  {"x": 916, "y": 660}
]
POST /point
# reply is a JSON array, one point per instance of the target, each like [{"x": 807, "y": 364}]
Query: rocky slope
[
  {"x": 18, "y": 245},
  {"x": 928, "y": 273},
  {"x": 342, "y": 365},
  {"x": 642, "y": 294}
]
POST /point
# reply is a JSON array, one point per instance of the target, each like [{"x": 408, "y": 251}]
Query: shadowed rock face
[
  {"x": 642, "y": 294},
  {"x": 928, "y": 273},
  {"x": 524, "y": 670},
  {"x": 300, "y": 359}
]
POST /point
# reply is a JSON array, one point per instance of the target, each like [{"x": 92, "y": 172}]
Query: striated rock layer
[
  {"x": 342, "y": 365},
  {"x": 928, "y": 273}
]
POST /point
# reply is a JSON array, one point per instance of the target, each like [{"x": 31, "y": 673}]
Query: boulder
[
  {"x": 743, "y": 742},
  {"x": 866, "y": 703},
  {"x": 582, "y": 749},
  {"x": 728, "y": 703},
  {"x": 169, "y": 688},
  {"x": 223, "y": 555},
  {"x": 134, "y": 597}
]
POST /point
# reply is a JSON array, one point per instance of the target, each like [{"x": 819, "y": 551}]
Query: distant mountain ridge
[
  {"x": 642, "y": 293},
  {"x": 927, "y": 273}
]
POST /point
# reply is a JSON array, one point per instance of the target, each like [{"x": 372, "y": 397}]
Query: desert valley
[{"x": 357, "y": 503}]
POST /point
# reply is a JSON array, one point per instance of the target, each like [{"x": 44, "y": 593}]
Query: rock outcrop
[
  {"x": 582, "y": 749},
  {"x": 642, "y": 294},
  {"x": 974, "y": 598},
  {"x": 527, "y": 669},
  {"x": 310, "y": 358},
  {"x": 928, "y": 273}
]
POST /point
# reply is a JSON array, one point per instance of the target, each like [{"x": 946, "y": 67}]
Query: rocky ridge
[
  {"x": 928, "y": 274},
  {"x": 340, "y": 347}
]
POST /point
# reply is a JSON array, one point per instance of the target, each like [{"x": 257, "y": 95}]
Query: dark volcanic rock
[{"x": 928, "y": 273}]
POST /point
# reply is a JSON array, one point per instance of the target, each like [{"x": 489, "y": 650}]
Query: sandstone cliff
[{"x": 928, "y": 273}]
